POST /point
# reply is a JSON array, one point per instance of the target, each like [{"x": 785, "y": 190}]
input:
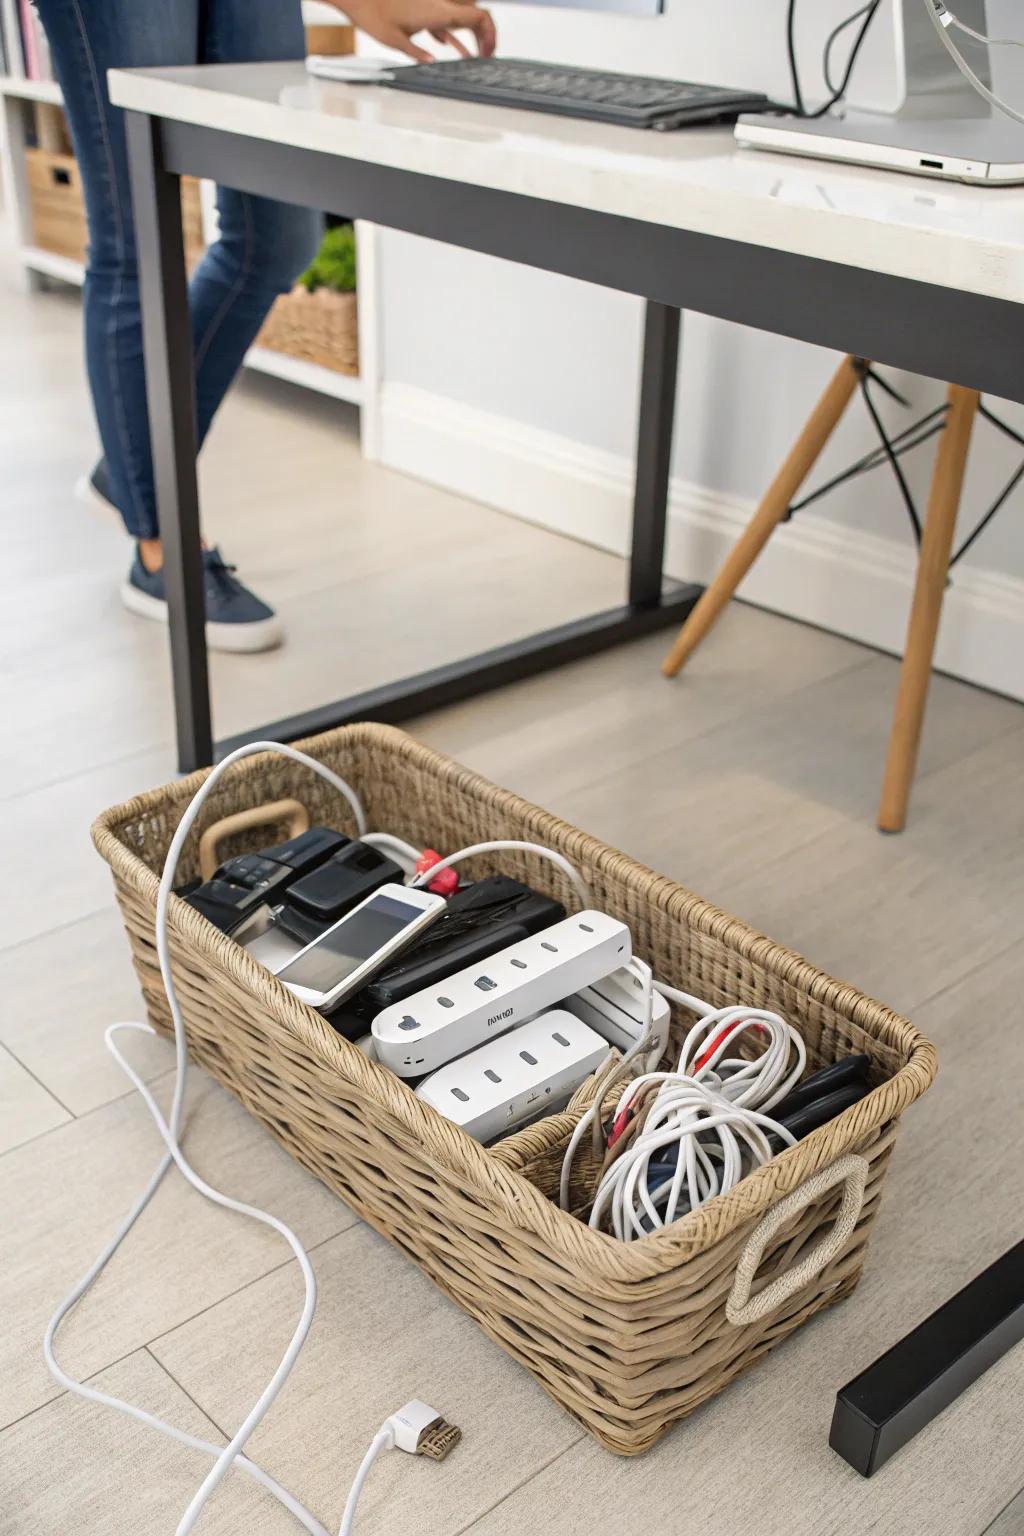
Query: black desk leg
[
  {"x": 170, "y": 391},
  {"x": 885, "y": 1406},
  {"x": 653, "y": 452}
]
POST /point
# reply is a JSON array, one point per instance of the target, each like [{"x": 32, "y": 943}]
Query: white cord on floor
[
  {"x": 225, "y": 1456},
  {"x": 383, "y": 1440}
]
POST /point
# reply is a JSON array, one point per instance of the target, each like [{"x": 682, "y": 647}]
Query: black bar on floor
[
  {"x": 886, "y": 1405},
  {"x": 478, "y": 674},
  {"x": 653, "y": 451}
]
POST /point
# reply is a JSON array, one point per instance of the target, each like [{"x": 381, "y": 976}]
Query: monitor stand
[
  {"x": 941, "y": 126},
  {"x": 932, "y": 85}
]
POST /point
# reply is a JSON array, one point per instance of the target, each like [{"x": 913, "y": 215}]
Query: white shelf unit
[
  {"x": 50, "y": 264},
  {"x": 31, "y": 90},
  {"x": 16, "y": 97},
  {"x": 295, "y": 370}
]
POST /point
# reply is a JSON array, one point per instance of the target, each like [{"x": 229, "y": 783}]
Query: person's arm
[{"x": 395, "y": 23}]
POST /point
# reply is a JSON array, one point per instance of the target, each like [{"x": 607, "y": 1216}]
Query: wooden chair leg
[
  {"x": 773, "y": 507},
  {"x": 932, "y": 573}
]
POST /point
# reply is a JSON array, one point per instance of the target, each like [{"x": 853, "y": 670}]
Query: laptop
[{"x": 988, "y": 150}]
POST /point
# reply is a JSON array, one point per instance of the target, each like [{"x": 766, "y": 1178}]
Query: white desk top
[{"x": 937, "y": 232}]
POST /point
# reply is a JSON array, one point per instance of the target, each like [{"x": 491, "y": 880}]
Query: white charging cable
[
  {"x": 404, "y": 852},
  {"x": 943, "y": 19},
  {"x": 706, "y": 1124},
  {"x": 432, "y": 1435},
  {"x": 511, "y": 845}
]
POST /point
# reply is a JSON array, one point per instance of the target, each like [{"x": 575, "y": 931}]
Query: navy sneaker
[{"x": 236, "y": 619}]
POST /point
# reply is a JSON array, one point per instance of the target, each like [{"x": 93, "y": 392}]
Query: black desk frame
[{"x": 960, "y": 337}]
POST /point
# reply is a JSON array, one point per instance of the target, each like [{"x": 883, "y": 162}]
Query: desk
[{"x": 926, "y": 276}]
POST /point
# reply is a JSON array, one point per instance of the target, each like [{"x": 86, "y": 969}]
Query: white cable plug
[{"x": 416, "y": 1428}]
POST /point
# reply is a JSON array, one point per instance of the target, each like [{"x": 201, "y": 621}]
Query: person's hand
[{"x": 395, "y": 22}]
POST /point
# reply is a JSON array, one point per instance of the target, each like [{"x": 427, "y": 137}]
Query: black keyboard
[{"x": 637, "y": 101}]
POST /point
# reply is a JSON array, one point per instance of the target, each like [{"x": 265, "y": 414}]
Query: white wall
[{"x": 480, "y": 354}]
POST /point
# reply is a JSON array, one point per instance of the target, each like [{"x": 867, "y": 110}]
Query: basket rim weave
[{"x": 456, "y": 1155}]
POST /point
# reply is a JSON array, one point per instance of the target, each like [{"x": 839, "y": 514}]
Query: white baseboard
[{"x": 836, "y": 576}]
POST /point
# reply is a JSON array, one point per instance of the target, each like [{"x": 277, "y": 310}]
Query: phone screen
[{"x": 349, "y": 943}]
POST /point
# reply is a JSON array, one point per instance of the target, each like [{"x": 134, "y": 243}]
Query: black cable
[
  {"x": 997, "y": 421},
  {"x": 904, "y": 442},
  {"x": 830, "y": 42},
  {"x": 868, "y": 11},
  {"x": 894, "y": 463},
  {"x": 891, "y": 449},
  {"x": 1011, "y": 485},
  {"x": 794, "y": 72},
  {"x": 890, "y": 389}
]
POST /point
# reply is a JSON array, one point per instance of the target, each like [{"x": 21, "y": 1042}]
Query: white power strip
[
  {"x": 442, "y": 1022},
  {"x": 526, "y": 1072},
  {"x": 614, "y": 1007}
]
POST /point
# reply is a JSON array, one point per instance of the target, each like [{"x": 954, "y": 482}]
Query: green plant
[{"x": 334, "y": 265}]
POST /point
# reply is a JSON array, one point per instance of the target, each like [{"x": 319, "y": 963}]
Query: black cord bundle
[{"x": 865, "y": 15}]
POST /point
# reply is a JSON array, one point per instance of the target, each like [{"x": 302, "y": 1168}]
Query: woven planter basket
[
  {"x": 626, "y": 1337},
  {"x": 319, "y": 327}
]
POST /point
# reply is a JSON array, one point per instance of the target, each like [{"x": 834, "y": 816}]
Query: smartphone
[{"x": 344, "y": 957}]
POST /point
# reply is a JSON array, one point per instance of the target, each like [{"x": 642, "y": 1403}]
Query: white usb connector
[
  {"x": 416, "y": 1428},
  {"x": 422, "y": 1431}
]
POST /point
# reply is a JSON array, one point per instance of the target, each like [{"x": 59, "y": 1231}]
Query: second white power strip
[
  {"x": 528, "y": 1071},
  {"x": 441, "y": 1022},
  {"x": 614, "y": 1006}
]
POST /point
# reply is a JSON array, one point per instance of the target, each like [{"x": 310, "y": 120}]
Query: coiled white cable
[
  {"x": 707, "y": 1125},
  {"x": 225, "y": 1456},
  {"x": 711, "y": 1112}
]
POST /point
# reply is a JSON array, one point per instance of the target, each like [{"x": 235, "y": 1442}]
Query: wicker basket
[
  {"x": 626, "y": 1337},
  {"x": 319, "y": 327},
  {"x": 55, "y": 200},
  {"x": 58, "y": 208}
]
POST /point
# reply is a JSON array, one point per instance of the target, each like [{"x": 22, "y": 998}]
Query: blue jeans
[{"x": 263, "y": 245}]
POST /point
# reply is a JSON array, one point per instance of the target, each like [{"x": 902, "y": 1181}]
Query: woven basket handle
[
  {"x": 851, "y": 1171},
  {"x": 290, "y": 811}
]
